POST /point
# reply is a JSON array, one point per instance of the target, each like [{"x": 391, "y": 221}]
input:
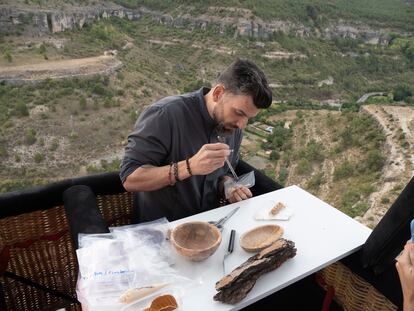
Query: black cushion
[
  {"x": 389, "y": 236},
  {"x": 82, "y": 212}
]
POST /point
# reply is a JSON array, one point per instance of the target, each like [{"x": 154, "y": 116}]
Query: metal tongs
[{"x": 219, "y": 223}]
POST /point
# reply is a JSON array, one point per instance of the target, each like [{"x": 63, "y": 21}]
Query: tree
[
  {"x": 402, "y": 92},
  {"x": 312, "y": 12}
]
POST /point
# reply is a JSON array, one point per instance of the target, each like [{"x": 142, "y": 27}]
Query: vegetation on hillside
[
  {"x": 349, "y": 142},
  {"x": 397, "y": 13}
]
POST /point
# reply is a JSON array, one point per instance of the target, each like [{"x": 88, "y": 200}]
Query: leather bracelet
[
  {"x": 172, "y": 183},
  {"x": 187, "y": 162},
  {"x": 176, "y": 171}
]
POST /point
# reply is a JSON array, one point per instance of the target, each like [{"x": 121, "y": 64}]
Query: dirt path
[
  {"x": 103, "y": 64},
  {"x": 398, "y": 168}
]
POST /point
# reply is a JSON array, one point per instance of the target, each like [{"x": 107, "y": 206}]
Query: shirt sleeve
[{"x": 149, "y": 143}]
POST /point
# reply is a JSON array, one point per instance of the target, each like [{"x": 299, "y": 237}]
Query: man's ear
[{"x": 218, "y": 92}]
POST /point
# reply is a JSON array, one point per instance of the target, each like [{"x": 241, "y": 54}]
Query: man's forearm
[{"x": 150, "y": 178}]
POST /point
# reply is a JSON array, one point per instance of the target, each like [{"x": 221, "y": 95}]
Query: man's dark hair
[{"x": 244, "y": 77}]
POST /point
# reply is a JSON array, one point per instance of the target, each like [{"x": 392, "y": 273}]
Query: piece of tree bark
[{"x": 236, "y": 285}]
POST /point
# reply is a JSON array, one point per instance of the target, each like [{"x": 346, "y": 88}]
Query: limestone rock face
[
  {"x": 43, "y": 22},
  {"x": 356, "y": 31}
]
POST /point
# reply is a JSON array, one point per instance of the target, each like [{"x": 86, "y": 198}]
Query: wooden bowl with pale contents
[
  {"x": 196, "y": 240},
  {"x": 261, "y": 237}
]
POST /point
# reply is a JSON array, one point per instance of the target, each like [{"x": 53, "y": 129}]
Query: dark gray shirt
[{"x": 171, "y": 130}]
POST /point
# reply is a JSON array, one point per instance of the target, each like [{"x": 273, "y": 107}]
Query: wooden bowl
[
  {"x": 196, "y": 240},
  {"x": 260, "y": 237}
]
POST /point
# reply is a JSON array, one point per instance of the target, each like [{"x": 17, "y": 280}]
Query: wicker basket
[
  {"x": 37, "y": 246},
  {"x": 352, "y": 292}
]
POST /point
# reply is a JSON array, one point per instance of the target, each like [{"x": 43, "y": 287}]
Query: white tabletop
[{"x": 321, "y": 233}]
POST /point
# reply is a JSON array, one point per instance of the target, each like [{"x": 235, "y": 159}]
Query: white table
[{"x": 321, "y": 233}]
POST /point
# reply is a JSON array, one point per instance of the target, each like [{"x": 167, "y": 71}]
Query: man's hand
[
  {"x": 209, "y": 158},
  {"x": 405, "y": 268},
  {"x": 239, "y": 193}
]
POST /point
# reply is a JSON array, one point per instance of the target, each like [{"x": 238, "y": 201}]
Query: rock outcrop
[{"x": 41, "y": 22}]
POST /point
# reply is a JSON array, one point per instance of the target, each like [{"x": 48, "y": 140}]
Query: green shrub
[
  {"x": 42, "y": 49},
  {"x": 359, "y": 209},
  {"x": 274, "y": 155},
  {"x": 39, "y": 157},
  {"x": 30, "y": 136},
  {"x": 21, "y": 109},
  {"x": 99, "y": 89},
  {"x": 299, "y": 114},
  {"x": 108, "y": 103},
  {"x": 374, "y": 161},
  {"x": 348, "y": 199},
  {"x": 313, "y": 151},
  {"x": 343, "y": 170},
  {"x": 316, "y": 181},
  {"x": 304, "y": 167},
  {"x": 73, "y": 136},
  {"x": 385, "y": 200},
  {"x": 54, "y": 145},
  {"x": 7, "y": 56},
  {"x": 283, "y": 174}
]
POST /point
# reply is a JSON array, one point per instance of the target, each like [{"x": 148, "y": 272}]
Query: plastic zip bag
[
  {"x": 126, "y": 266},
  {"x": 246, "y": 180}
]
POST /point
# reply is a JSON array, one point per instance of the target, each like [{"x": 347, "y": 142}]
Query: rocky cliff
[{"x": 43, "y": 22}]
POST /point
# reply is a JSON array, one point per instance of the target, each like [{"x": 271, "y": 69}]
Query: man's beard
[{"x": 222, "y": 130}]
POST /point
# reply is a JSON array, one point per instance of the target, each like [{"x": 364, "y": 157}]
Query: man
[{"x": 174, "y": 160}]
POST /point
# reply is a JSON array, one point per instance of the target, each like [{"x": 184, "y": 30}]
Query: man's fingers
[
  {"x": 404, "y": 258},
  {"x": 411, "y": 253},
  {"x": 216, "y": 146},
  {"x": 241, "y": 193},
  {"x": 222, "y": 153},
  {"x": 237, "y": 196},
  {"x": 246, "y": 191}
]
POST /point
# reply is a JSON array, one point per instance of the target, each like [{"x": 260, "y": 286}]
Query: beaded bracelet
[
  {"x": 172, "y": 183},
  {"x": 176, "y": 172},
  {"x": 187, "y": 161}
]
